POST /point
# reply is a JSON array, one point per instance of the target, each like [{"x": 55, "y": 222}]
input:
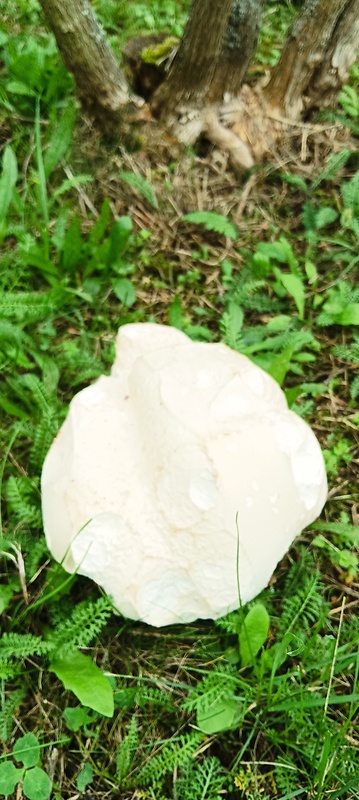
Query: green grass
[{"x": 90, "y": 240}]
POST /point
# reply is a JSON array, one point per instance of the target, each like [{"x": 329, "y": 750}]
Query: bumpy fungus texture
[{"x": 177, "y": 473}]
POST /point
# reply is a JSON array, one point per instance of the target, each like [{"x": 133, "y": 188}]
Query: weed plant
[{"x": 264, "y": 702}]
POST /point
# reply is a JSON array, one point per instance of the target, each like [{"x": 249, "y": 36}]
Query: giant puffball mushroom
[{"x": 178, "y": 478}]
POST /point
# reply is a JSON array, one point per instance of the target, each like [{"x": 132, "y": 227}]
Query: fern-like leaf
[
  {"x": 212, "y": 222},
  {"x": 45, "y": 432},
  {"x": 8, "y": 708},
  {"x": 150, "y": 696},
  {"x": 20, "y": 497},
  {"x": 10, "y": 335},
  {"x": 14, "y": 646},
  {"x": 84, "y": 625},
  {"x": 219, "y": 684},
  {"x": 231, "y": 623},
  {"x": 126, "y": 751},
  {"x": 350, "y": 194},
  {"x": 354, "y": 388},
  {"x": 304, "y": 602},
  {"x": 350, "y": 354},
  {"x": 38, "y": 392},
  {"x": 231, "y": 326},
  {"x": 36, "y": 552},
  {"x": 27, "y": 307},
  {"x": 201, "y": 781},
  {"x": 142, "y": 185},
  {"x": 173, "y": 755},
  {"x": 335, "y": 163}
]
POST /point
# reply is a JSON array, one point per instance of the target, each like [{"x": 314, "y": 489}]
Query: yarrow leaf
[
  {"x": 212, "y": 222},
  {"x": 142, "y": 185}
]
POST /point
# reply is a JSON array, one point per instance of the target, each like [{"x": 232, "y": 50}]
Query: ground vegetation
[{"x": 94, "y": 234}]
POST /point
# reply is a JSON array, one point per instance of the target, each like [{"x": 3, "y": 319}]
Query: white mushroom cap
[{"x": 180, "y": 469}]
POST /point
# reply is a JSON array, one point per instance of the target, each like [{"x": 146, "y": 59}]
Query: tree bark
[
  {"x": 190, "y": 77},
  {"x": 100, "y": 84},
  {"x": 239, "y": 45},
  {"x": 321, "y": 46}
]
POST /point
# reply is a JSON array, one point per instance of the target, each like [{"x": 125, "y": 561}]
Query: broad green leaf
[
  {"x": 9, "y": 777},
  {"x": 27, "y": 750},
  {"x": 84, "y": 777},
  {"x": 253, "y": 633},
  {"x": 349, "y": 315},
  {"x": 36, "y": 257},
  {"x": 17, "y": 87},
  {"x": 118, "y": 240},
  {"x": 175, "y": 314},
  {"x": 292, "y": 394},
  {"x": 305, "y": 358},
  {"x": 124, "y": 290},
  {"x": 6, "y": 594},
  {"x": 212, "y": 222},
  {"x": 36, "y": 785},
  {"x": 7, "y": 181},
  {"x": 199, "y": 333},
  {"x": 279, "y": 323},
  {"x": 60, "y": 139},
  {"x": 81, "y": 676},
  {"x": 325, "y": 216},
  {"x": 76, "y": 717},
  {"x": 280, "y": 251},
  {"x": 142, "y": 185},
  {"x": 262, "y": 265},
  {"x": 295, "y": 180},
  {"x": 221, "y": 715},
  {"x": 73, "y": 245},
  {"x": 273, "y": 658},
  {"x": 295, "y": 287},
  {"x": 280, "y": 364},
  {"x": 311, "y": 271},
  {"x": 101, "y": 223}
]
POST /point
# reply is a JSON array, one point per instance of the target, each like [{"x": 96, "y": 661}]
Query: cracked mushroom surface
[{"x": 176, "y": 474}]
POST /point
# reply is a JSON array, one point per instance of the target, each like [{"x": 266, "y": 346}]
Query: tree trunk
[
  {"x": 321, "y": 46},
  {"x": 100, "y": 84},
  {"x": 189, "y": 81},
  {"x": 239, "y": 45}
]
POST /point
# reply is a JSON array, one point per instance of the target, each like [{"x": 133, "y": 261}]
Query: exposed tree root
[
  {"x": 246, "y": 127},
  {"x": 239, "y": 153},
  {"x": 241, "y": 127}
]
